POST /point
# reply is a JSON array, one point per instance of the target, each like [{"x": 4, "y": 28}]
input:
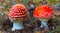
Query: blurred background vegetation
[{"x": 5, "y": 6}]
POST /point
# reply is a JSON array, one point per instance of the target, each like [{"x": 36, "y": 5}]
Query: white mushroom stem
[
  {"x": 44, "y": 24},
  {"x": 17, "y": 26}
]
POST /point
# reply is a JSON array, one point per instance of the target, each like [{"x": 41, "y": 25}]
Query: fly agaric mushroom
[
  {"x": 17, "y": 13},
  {"x": 44, "y": 13}
]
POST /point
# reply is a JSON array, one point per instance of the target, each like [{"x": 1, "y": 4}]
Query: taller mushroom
[
  {"x": 18, "y": 13},
  {"x": 43, "y": 13}
]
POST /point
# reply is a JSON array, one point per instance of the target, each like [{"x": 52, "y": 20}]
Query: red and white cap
[
  {"x": 18, "y": 11},
  {"x": 43, "y": 12}
]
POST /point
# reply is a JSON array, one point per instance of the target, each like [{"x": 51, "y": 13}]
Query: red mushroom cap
[
  {"x": 43, "y": 12},
  {"x": 18, "y": 11}
]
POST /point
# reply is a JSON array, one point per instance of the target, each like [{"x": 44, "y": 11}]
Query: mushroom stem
[
  {"x": 44, "y": 24},
  {"x": 17, "y": 26}
]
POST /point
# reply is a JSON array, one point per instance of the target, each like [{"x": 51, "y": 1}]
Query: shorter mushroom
[{"x": 43, "y": 13}]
